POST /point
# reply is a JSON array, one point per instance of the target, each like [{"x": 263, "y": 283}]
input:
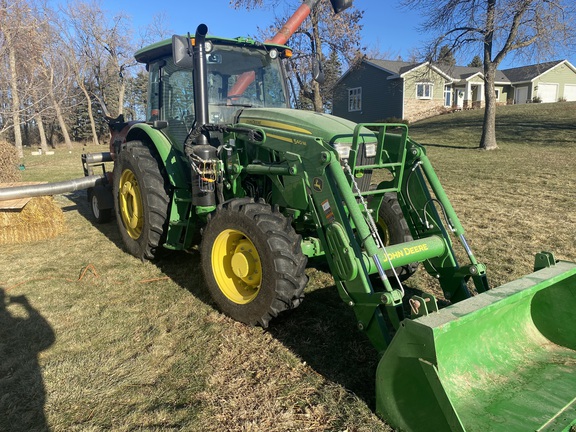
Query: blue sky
[
  {"x": 387, "y": 28},
  {"x": 397, "y": 37}
]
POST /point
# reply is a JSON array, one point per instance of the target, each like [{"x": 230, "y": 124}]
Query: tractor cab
[{"x": 234, "y": 74}]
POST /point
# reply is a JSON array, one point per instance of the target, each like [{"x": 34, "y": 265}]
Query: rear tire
[
  {"x": 252, "y": 261},
  {"x": 141, "y": 199},
  {"x": 393, "y": 229}
]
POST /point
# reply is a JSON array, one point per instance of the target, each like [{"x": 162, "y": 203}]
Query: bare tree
[
  {"x": 12, "y": 23},
  {"x": 322, "y": 36},
  {"x": 498, "y": 27},
  {"x": 113, "y": 36},
  {"x": 27, "y": 38},
  {"x": 75, "y": 26},
  {"x": 157, "y": 30},
  {"x": 103, "y": 52},
  {"x": 14, "y": 92}
]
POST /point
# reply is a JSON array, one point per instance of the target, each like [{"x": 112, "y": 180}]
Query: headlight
[
  {"x": 343, "y": 150},
  {"x": 370, "y": 149}
]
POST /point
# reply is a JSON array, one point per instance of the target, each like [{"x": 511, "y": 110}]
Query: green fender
[{"x": 173, "y": 158}]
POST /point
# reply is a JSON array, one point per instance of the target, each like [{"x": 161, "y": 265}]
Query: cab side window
[{"x": 177, "y": 97}]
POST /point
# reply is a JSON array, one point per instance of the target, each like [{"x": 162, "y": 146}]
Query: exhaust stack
[{"x": 201, "y": 82}]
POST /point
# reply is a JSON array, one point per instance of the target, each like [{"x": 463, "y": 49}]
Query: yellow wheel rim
[
  {"x": 130, "y": 203},
  {"x": 236, "y": 266}
]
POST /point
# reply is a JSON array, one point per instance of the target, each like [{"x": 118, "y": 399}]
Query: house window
[
  {"x": 448, "y": 96},
  {"x": 497, "y": 91},
  {"x": 424, "y": 90},
  {"x": 355, "y": 99}
]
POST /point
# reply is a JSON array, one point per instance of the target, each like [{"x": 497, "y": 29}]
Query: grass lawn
[{"x": 93, "y": 339}]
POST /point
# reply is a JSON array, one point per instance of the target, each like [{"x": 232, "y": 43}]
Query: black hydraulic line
[{"x": 31, "y": 191}]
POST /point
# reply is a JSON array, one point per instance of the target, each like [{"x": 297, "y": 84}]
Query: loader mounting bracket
[{"x": 543, "y": 260}]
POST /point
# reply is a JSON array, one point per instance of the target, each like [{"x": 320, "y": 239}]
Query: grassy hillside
[
  {"x": 107, "y": 342},
  {"x": 529, "y": 124}
]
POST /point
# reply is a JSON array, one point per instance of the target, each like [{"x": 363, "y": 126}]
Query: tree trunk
[
  {"x": 317, "y": 101},
  {"x": 488, "y": 140},
  {"x": 15, "y": 95},
  {"x": 62, "y": 124},
  {"x": 59, "y": 115},
  {"x": 42, "y": 132},
  {"x": 121, "y": 92},
  {"x": 90, "y": 113},
  {"x": 317, "y": 97}
]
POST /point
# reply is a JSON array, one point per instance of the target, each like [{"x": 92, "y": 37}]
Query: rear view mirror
[
  {"x": 340, "y": 5},
  {"x": 182, "y": 51}
]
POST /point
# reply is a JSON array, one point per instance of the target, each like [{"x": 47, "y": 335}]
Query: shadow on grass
[
  {"x": 186, "y": 271},
  {"x": 449, "y": 146},
  {"x": 24, "y": 334},
  {"x": 82, "y": 206},
  {"x": 322, "y": 332},
  {"x": 183, "y": 268}
]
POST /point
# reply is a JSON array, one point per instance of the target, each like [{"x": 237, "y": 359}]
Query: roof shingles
[{"x": 458, "y": 73}]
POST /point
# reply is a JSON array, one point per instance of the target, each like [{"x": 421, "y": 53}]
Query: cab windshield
[{"x": 242, "y": 77}]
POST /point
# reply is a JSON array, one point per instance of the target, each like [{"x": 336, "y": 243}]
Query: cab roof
[{"x": 164, "y": 48}]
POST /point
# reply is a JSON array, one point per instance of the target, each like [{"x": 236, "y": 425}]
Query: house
[{"x": 375, "y": 90}]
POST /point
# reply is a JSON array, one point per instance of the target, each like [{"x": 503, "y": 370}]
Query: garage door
[
  {"x": 570, "y": 92},
  {"x": 548, "y": 92}
]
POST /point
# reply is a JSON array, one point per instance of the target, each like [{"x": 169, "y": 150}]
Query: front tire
[
  {"x": 252, "y": 261},
  {"x": 141, "y": 199}
]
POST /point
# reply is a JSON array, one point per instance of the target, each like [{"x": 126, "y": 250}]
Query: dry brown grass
[
  {"x": 139, "y": 346},
  {"x": 517, "y": 200}
]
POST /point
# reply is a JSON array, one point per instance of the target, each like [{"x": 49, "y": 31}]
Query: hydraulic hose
[{"x": 30, "y": 191}]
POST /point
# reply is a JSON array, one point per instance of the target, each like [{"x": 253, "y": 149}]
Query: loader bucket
[{"x": 504, "y": 360}]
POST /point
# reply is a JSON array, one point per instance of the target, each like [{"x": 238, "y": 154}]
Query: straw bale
[
  {"x": 9, "y": 171},
  {"x": 40, "y": 219}
]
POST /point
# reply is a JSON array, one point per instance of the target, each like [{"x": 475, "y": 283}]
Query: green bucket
[{"x": 504, "y": 360}]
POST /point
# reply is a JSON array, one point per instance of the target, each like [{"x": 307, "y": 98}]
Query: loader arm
[{"x": 312, "y": 182}]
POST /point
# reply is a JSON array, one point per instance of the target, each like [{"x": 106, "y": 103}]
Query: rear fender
[
  {"x": 174, "y": 160},
  {"x": 118, "y": 131}
]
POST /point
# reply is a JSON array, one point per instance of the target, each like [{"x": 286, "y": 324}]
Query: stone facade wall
[
  {"x": 418, "y": 109},
  {"x": 468, "y": 104}
]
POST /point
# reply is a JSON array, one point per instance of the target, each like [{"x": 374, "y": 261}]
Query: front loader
[{"x": 223, "y": 161}]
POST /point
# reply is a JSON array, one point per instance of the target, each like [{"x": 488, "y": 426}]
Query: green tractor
[{"x": 223, "y": 161}]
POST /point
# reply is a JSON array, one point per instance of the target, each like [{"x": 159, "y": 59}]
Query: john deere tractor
[{"x": 223, "y": 161}]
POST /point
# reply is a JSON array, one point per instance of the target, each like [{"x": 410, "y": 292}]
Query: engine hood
[{"x": 331, "y": 129}]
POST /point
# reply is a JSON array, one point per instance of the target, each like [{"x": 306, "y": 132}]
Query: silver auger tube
[{"x": 30, "y": 191}]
